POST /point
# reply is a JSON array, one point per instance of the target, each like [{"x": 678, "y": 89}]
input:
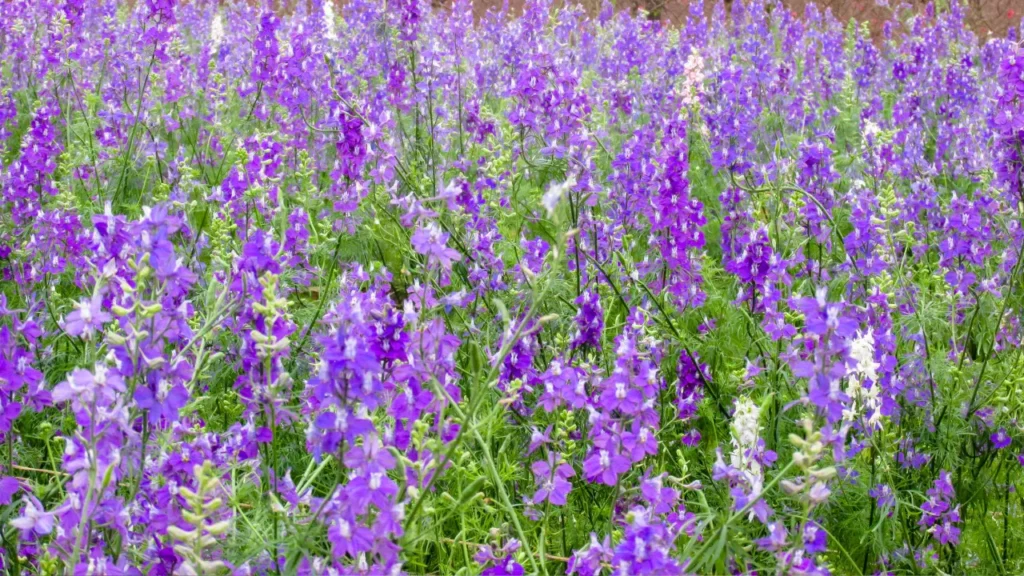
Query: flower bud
[
  {"x": 790, "y": 487},
  {"x": 824, "y": 473},
  {"x": 179, "y": 534}
]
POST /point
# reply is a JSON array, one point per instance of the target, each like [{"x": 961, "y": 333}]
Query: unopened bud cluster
[
  {"x": 812, "y": 486},
  {"x": 201, "y": 513}
]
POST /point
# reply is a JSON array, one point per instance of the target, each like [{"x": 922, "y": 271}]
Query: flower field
[{"x": 384, "y": 288}]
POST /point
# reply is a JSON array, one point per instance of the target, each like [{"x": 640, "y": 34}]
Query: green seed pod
[{"x": 471, "y": 491}]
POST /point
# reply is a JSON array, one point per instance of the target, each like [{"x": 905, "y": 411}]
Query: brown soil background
[{"x": 984, "y": 16}]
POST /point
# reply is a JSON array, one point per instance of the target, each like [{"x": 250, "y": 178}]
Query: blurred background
[{"x": 984, "y": 16}]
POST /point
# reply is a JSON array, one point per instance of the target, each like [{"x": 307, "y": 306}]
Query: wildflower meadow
[{"x": 393, "y": 287}]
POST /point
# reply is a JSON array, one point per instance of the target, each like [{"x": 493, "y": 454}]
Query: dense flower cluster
[{"x": 396, "y": 287}]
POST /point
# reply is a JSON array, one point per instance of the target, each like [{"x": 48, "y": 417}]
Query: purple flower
[
  {"x": 371, "y": 488},
  {"x": 815, "y": 538},
  {"x": 947, "y": 533},
  {"x": 691, "y": 389},
  {"x": 822, "y": 317},
  {"x": 501, "y": 563},
  {"x": 661, "y": 499},
  {"x": 265, "y": 49},
  {"x": 884, "y": 498},
  {"x": 589, "y": 561},
  {"x": 33, "y": 518},
  {"x": 431, "y": 242},
  {"x": 372, "y": 456},
  {"x": 562, "y": 385},
  {"x": 619, "y": 394},
  {"x": 163, "y": 401},
  {"x": 938, "y": 515},
  {"x": 589, "y": 321},
  {"x": 646, "y": 546},
  {"x": 87, "y": 318},
  {"x": 507, "y": 567},
  {"x": 605, "y": 464},
  {"x": 776, "y": 538},
  {"x": 552, "y": 479},
  {"x": 348, "y": 536},
  {"x": 538, "y": 439},
  {"x": 84, "y": 389},
  {"x": 640, "y": 442},
  {"x": 1000, "y": 439},
  {"x": 8, "y": 488}
]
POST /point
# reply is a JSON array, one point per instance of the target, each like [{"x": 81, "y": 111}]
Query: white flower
[
  {"x": 216, "y": 32},
  {"x": 554, "y": 194},
  {"x": 863, "y": 400},
  {"x": 693, "y": 78},
  {"x": 746, "y": 431},
  {"x": 746, "y": 427},
  {"x": 862, "y": 351},
  {"x": 329, "y": 20}
]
